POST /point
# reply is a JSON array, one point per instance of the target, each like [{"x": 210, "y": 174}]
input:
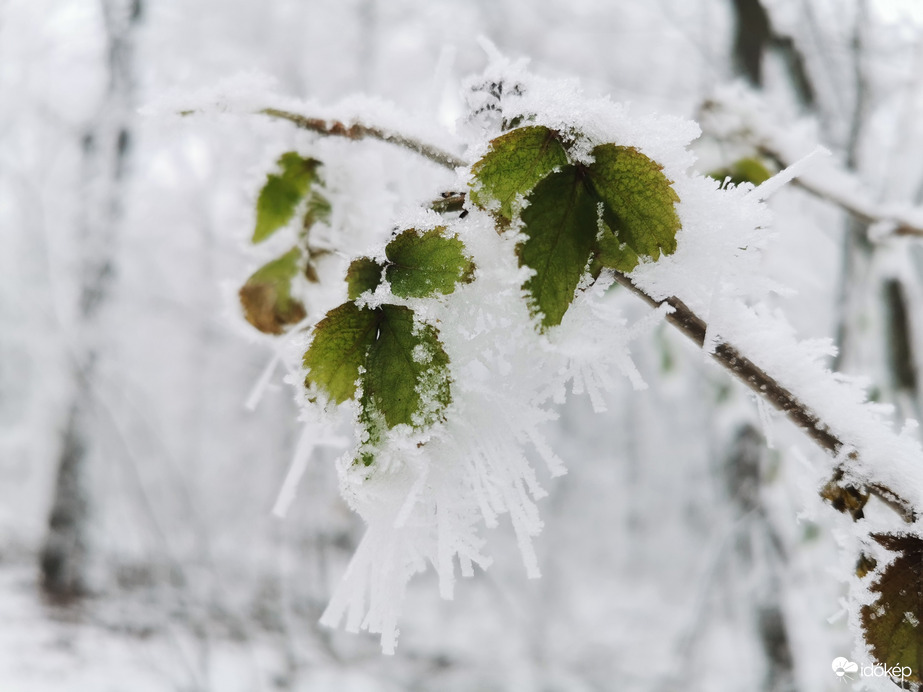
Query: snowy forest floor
[
  {"x": 134, "y": 640},
  {"x": 105, "y": 644},
  {"x": 144, "y": 637}
]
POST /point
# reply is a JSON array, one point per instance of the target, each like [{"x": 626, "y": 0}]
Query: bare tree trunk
[
  {"x": 901, "y": 361},
  {"x": 754, "y": 38},
  {"x": 855, "y": 276},
  {"x": 106, "y": 146},
  {"x": 743, "y": 472},
  {"x": 63, "y": 557}
]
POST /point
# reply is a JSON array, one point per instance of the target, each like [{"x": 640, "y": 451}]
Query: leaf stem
[
  {"x": 355, "y": 131},
  {"x": 766, "y": 387}
]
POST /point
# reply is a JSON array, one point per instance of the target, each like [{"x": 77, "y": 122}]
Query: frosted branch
[
  {"x": 845, "y": 196},
  {"x": 771, "y": 391},
  {"x": 356, "y": 131},
  {"x": 741, "y": 117}
]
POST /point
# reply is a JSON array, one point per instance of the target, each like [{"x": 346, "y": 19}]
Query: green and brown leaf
[
  {"x": 266, "y": 297},
  {"x": 637, "y": 199},
  {"x": 560, "y": 228},
  {"x": 399, "y": 363},
  {"x": 421, "y": 265},
  {"x": 284, "y": 191},
  {"x": 364, "y": 274},
  {"x": 339, "y": 349},
  {"x": 406, "y": 369},
  {"x": 746, "y": 170},
  {"x": 893, "y": 624},
  {"x": 515, "y": 163},
  {"x": 576, "y": 217}
]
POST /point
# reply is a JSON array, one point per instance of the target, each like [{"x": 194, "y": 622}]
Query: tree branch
[
  {"x": 827, "y": 181},
  {"x": 858, "y": 207},
  {"x": 843, "y": 495},
  {"x": 335, "y": 128},
  {"x": 767, "y": 388}
]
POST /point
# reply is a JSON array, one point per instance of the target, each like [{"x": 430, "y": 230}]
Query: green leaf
[
  {"x": 893, "y": 625},
  {"x": 746, "y": 170},
  {"x": 560, "y": 225},
  {"x": 318, "y": 209},
  {"x": 282, "y": 193},
  {"x": 638, "y": 199},
  {"x": 339, "y": 348},
  {"x": 401, "y": 365},
  {"x": 373, "y": 428},
  {"x": 422, "y": 265},
  {"x": 406, "y": 379},
  {"x": 613, "y": 254},
  {"x": 407, "y": 375},
  {"x": 515, "y": 163},
  {"x": 364, "y": 274},
  {"x": 266, "y": 297}
]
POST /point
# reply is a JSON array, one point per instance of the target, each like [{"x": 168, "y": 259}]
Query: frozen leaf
[
  {"x": 339, "y": 348},
  {"x": 422, "y": 265},
  {"x": 407, "y": 376},
  {"x": 402, "y": 366},
  {"x": 746, "y": 170},
  {"x": 614, "y": 254},
  {"x": 638, "y": 199},
  {"x": 560, "y": 225},
  {"x": 282, "y": 193},
  {"x": 515, "y": 163},
  {"x": 364, "y": 274},
  {"x": 266, "y": 297},
  {"x": 865, "y": 564},
  {"x": 310, "y": 271},
  {"x": 845, "y": 497},
  {"x": 373, "y": 428},
  {"x": 892, "y": 624},
  {"x": 318, "y": 209}
]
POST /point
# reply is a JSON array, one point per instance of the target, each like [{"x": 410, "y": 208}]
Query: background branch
[
  {"x": 827, "y": 180},
  {"x": 858, "y": 206}
]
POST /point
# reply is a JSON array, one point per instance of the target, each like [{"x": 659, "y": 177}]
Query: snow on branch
[
  {"x": 460, "y": 335},
  {"x": 336, "y": 128},
  {"x": 357, "y": 117},
  {"x": 836, "y": 186},
  {"x": 771, "y": 391},
  {"x": 742, "y": 117}
]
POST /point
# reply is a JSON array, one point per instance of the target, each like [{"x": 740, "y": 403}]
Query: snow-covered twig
[
  {"x": 738, "y": 116},
  {"x": 845, "y": 197},
  {"x": 767, "y": 388},
  {"x": 682, "y": 317},
  {"x": 359, "y": 131}
]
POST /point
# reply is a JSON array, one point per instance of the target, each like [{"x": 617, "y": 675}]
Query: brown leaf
[
  {"x": 892, "y": 624},
  {"x": 264, "y": 310}
]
